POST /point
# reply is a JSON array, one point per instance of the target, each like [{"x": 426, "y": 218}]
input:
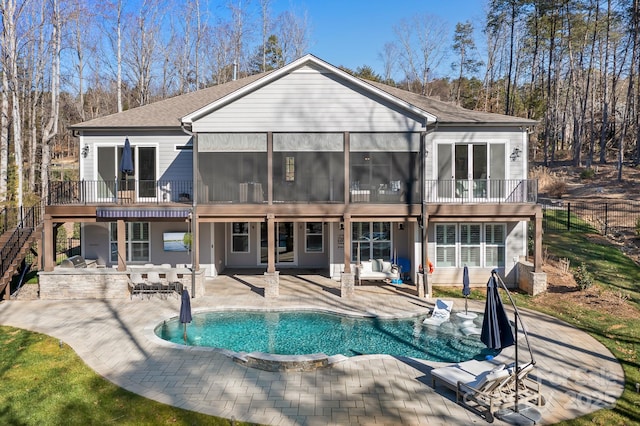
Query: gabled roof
[{"x": 184, "y": 109}]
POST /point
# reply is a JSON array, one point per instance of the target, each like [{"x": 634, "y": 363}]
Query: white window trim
[
  {"x": 483, "y": 245},
  {"x": 241, "y": 234},
  {"x": 306, "y": 234},
  {"x": 129, "y": 242}
]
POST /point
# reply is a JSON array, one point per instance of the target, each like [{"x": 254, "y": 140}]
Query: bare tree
[
  {"x": 51, "y": 127},
  {"x": 10, "y": 15},
  {"x": 389, "y": 58},
  {"x": 141, "y": 50},
  {"x": 421, "y": 45}
]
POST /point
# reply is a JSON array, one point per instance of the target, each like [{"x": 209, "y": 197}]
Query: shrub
[
  {"x": 638, "y": 227},
  {"x": 557, "y": 189},
  {"x": 583, "y": 277},
  {"x": 587, "y": 173}
]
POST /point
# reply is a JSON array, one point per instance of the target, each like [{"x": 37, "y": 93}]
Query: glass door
[{"x": 284, "y": 243}]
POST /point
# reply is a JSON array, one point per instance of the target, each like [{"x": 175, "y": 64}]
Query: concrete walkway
[{"x": 115, "y": 338}]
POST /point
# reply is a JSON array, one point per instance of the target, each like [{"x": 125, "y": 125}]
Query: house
[{"x": 304, "y": 167}]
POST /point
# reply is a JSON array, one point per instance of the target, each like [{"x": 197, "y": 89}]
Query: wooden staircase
[{"x": 15, "y": 244}]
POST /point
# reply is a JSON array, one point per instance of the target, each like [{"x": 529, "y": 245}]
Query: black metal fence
[
  {"x": 602, "y": 217},
  {"x": 67, "y": 247}
]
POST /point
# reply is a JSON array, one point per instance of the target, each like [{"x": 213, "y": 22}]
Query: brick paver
[{"x": 115, "y": 338}]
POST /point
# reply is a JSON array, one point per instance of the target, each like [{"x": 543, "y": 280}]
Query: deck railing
[
  {"x": 451, "y": 191},
  {"x": 120, "y": 192}
]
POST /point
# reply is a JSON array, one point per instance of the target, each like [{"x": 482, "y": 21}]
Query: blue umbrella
[
  {"x": 496, "y": 329},
  {"x": 126, "y": 162},
  {"x": 466, "y": 289},
  {"x": 185, "y": 311}
]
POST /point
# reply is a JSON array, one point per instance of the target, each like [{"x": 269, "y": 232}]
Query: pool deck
[{"x": 115, "y": 338}]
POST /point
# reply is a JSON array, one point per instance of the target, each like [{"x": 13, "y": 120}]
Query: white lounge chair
[
  {"x": 483, "y": 386},
  {"x": 441, "y": 312}
]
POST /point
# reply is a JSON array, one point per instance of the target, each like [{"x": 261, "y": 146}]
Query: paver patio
[{"x": 115, "y": 338}]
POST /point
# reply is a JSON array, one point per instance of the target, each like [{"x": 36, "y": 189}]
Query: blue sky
[{"x": 353, "y": 32}]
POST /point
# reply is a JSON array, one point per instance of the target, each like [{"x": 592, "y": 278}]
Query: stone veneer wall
[
  {"x": 531, "y": 282},
  {"x": 90, "y": 283}
]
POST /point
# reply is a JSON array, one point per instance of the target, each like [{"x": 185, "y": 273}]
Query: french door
[
  {"x": 111, "y": 179},
  {"x": 284, "y": 243},
  {"x": 471, "y": 171}
]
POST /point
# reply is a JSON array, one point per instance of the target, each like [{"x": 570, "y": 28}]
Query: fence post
[
  {"x": 606, "y": 218},
  {"x": 568, "y": 216}
]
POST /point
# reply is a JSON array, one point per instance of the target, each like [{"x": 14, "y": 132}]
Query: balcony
[
  {"x": 481, "y": 191},
  {"x": 117, "y": 192}
]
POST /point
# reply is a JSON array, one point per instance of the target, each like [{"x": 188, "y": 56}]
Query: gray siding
[
  {"x": 172, "y": 164},
  {"x": 307, "y": 101},
  {"x": 512, "y": 137}
]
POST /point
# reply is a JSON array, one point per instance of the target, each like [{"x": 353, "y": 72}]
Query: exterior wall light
[{"x": 85, "y": 151}]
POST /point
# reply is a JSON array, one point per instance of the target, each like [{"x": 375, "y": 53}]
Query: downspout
[{"x": 193, "y": 217}]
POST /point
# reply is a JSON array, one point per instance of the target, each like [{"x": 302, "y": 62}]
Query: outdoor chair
[
  {"x": 137, "y": 284},
  {"x": 154, "y": 282},
  {"x": 481, "y": 392},
  {"x": 173, "y": 282},
  {"x": 441, "y": 312}
]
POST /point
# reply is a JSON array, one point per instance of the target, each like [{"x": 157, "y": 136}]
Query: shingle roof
[
  {"x": 168, "y": 113},
  {"x": 448, "y": 113}
]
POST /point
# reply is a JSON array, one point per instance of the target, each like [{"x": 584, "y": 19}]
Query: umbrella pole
[{"x": 528, "y": 415}]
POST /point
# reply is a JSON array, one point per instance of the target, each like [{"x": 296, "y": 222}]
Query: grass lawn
[{"x": 42, "y": 383}]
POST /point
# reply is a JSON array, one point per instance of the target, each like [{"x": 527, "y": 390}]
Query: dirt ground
[{"x": 603, "y": 186}]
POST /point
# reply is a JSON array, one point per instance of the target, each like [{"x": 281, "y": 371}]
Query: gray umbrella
[
  {"x": 185, "y": 311},
  {"x": 466, "y": 289},
  {"x": 496, "y": 330}
]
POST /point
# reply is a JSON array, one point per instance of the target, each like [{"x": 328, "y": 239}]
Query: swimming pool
[{"x": 307, "y": 332}]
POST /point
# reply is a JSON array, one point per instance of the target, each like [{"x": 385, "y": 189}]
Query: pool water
[{"x": 307, "y": 332}]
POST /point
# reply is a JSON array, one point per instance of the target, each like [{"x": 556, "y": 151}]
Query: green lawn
[{"x": 42, "y": 383}]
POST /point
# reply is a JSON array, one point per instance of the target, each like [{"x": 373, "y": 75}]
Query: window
[
  {"x": 470, "y": 244},
  {"x": 240, "y": 237},
  {"x": 314, "y": 242},
  {"x": 494, "y": 245},
  {"x": 372, "y": 238},
  {"x": 465, "y": 243},
  {"x": 289, "y": 169},
  {"x": 445, "y": 245},
  {"x": 136, "y": 241}
]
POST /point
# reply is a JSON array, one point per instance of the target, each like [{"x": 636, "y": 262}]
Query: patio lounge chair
[
  {"x": 441, "y": 312},
  {"x": 483, "y": 386},
  {"x": 481, "y": 392}
]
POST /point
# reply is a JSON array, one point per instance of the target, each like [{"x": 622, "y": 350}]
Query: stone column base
[
  {"x": 347, "y": 285},
  {"x": 422, "y": 291},
  {"x": 272, "y": 284}
]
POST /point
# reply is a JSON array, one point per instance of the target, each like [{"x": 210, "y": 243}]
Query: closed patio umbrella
[
  {"x": 126, "y": 162},
  {"x": 185, "y": 311},
  {"x": 466, "y": 290},
  {"x": 496, "y": 330},
  {"x": 497, "y": 334}
]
